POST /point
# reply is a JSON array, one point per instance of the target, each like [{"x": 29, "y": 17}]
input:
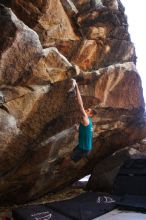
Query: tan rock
[
  {"x": 93, "y": 54},
  {"x": 82, "y": 4},
  {"x": 52, "y": 67},
  {"x": 69, "y": 7},
  {"x": 37, "y": 115},
  {"x": 19, "y": 51},
  {"x": 86, "y": 55},
  {"x": 48, "y": 19},
  {"x": 36, "y": 175},
  {"x": 119, "y": 86},
  {"x": 70, "y": 34}
]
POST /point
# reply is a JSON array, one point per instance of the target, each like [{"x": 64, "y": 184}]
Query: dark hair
[{"x": 93, "y": 112}]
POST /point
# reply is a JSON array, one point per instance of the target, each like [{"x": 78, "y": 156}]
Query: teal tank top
[{"x": 85, "y": 136}]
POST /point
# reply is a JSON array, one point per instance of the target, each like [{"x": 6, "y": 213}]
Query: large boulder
[
  {"x": 37, "y": 116},
  {"x": 88, "y": 37},
  {"x": 105, "y": 172},
  {"x": 47, "y": 18}
]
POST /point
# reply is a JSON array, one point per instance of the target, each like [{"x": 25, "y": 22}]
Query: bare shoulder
[{"x": 85, "y": 120}]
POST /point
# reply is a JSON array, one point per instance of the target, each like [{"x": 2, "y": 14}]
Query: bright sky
[{"x": 136, "y": 13}]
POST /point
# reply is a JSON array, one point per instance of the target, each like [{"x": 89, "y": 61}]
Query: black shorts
[{"x": 78, "y": 154}]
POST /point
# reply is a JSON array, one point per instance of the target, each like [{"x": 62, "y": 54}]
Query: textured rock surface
[
  {"x": 104, "y": 173},
  {"x": 48, "y": 18},
  {"x": 36, "y": 115},
  {"x": 88, "y": 37}
]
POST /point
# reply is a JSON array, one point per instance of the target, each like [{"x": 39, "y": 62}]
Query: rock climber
[
  {"x": 85, "y": 131},
  {"x": 85, "y": 127}
]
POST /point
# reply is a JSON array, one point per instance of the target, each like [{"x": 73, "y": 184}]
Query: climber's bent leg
[{"x": 78, "y": 154}]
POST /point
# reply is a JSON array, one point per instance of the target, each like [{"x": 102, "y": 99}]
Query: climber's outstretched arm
[{"x": 85, "y": 119}]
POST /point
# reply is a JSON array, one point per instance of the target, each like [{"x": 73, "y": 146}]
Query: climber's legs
[{"x": 78, "y": 154}]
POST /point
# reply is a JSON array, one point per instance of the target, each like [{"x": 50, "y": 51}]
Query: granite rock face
[
  {"x": 104, "y": 173},
  {"x": 43, "y": 44}
]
